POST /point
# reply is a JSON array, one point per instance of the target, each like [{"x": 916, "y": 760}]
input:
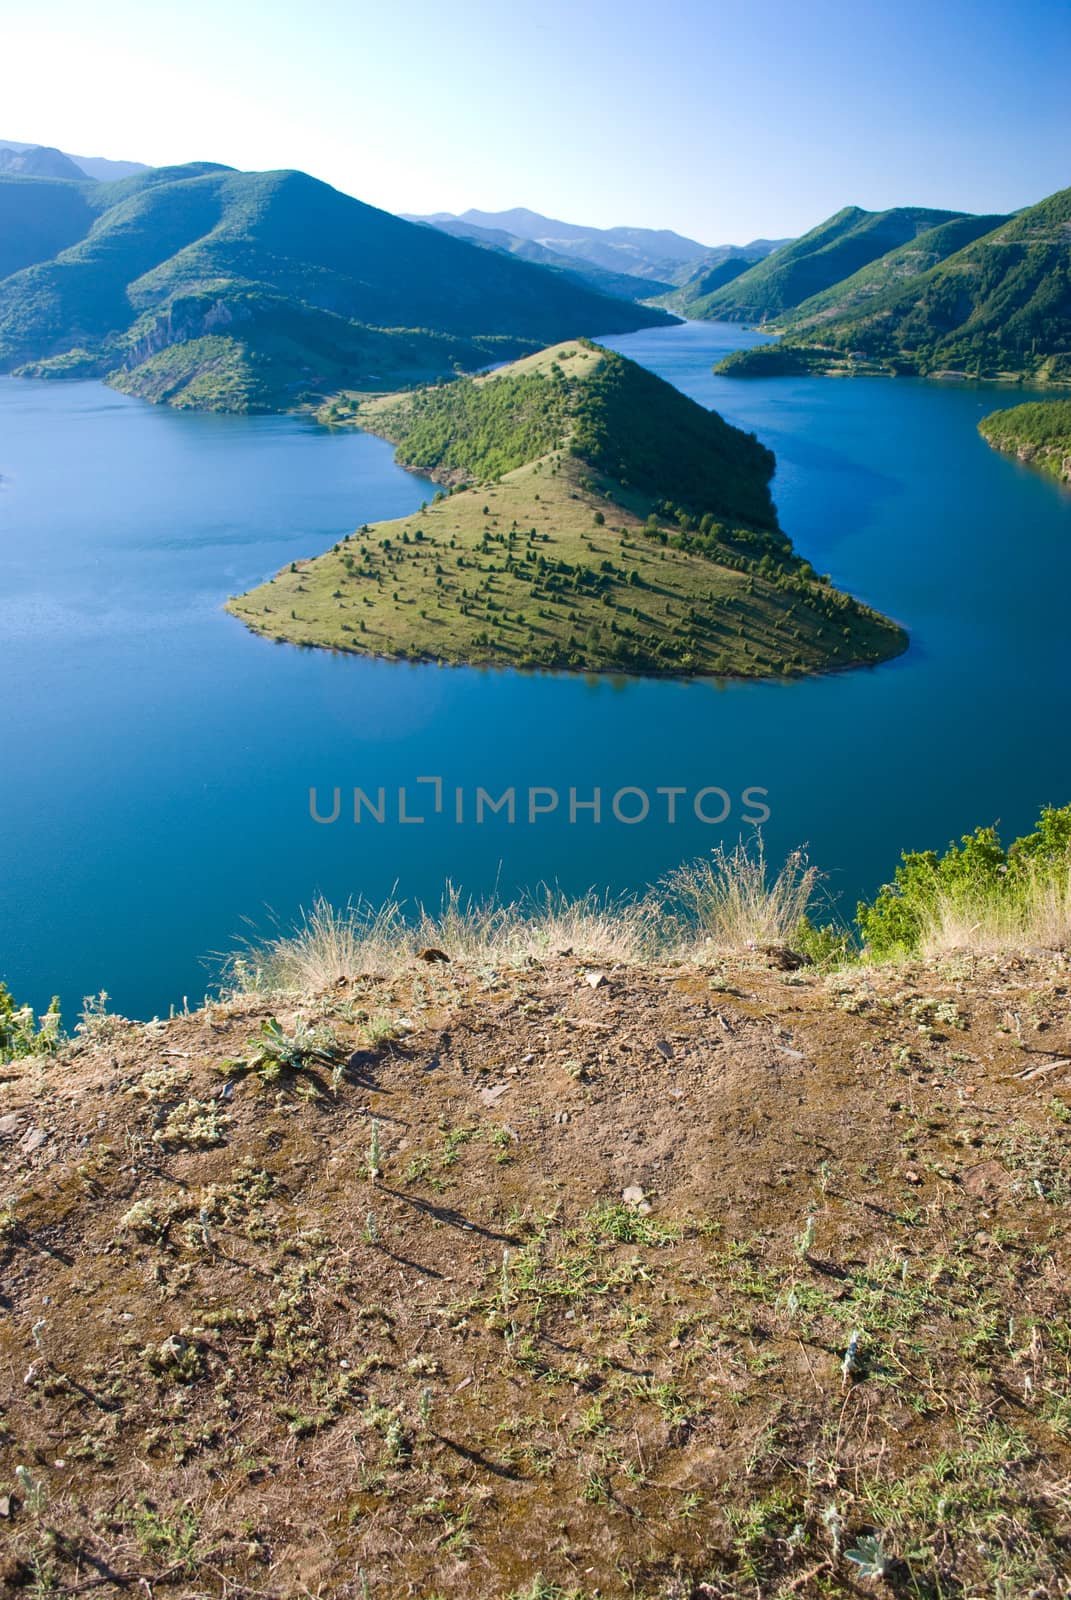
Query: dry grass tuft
[
  {"x": 1037, "y": 917},
  {"x": 730, "y": 903},
  {"x": 330, "y": 942},
  {"x": 361, "y": 940}
]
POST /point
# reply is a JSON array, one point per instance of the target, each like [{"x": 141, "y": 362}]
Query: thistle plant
[
  {"x": 274, "y": 1053},
  {"x": 833, "y": 1523},
  {"x": 34, "y": 1493},
  {"x": 870, "y": 1556},
  {"x": 424, "y": 1408}
]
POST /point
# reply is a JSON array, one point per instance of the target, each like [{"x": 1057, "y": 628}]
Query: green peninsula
[
  {"x": 1038, "y": 432},
  {"x": 596, "y": 519}
]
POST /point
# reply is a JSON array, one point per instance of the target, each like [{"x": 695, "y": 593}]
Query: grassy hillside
[
  {"x": 1000, "y": 305},
  {"x": 599, "y": 519},
  {"x": 1039, "y": 432},
  {"x": 532, "y": 1275},
  {"x": 171, "y": 238},
  {"x": 831, "y": 252}
]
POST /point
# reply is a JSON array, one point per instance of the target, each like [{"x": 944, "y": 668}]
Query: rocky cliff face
[
  {"x": 1053, "y": 458},
  {"x": 189, "y": 317}
]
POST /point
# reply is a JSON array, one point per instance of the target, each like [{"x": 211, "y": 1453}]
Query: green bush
[
  {"x": 826, "y": 945},
  {"x": 21, "y": 1033},
  {"x": 977, "y": 876}
]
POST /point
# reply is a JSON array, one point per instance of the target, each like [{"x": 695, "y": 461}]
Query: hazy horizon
[
  {"x": 720, "y": 126},
  {"x": 653, "y": 223}
]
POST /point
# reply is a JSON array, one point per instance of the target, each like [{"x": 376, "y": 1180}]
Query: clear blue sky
[{"x": 723, "y": 120}]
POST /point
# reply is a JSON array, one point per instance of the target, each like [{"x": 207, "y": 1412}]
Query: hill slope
[
  {"x": 584, "y": 1327},
  {"x": 889, "y": 274},
  {"x": 600, "y": 520},
  {"x": 831, "y": 252},
  {"x": 1001, "y": 303},
  {"x": 39, "y": 218},
  {"x": 207, "y": 242},
  {"x": 696, "y": 297}
]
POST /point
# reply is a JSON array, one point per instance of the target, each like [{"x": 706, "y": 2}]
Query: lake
[{"x": 158, "y": 759}]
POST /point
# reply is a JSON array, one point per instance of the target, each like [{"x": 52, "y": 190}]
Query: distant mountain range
[
  {"x": 638, "y": 263},
  {"x": 913, "y": 291},
  {"x": 42, "y": 161},
  {"x": 624, "y": 284},
  {"x": 199, "y": 285}
]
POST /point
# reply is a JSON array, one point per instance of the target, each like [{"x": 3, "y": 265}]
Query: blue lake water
[{"x": 157, "y": 758}]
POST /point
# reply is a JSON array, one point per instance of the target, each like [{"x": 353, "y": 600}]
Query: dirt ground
[{"x": 678, "y": 1282}]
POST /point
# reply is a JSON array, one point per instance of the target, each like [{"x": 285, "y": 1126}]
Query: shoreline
[
  {"x": 542, "y": 669},
  {"x": 553, "y": 548}
]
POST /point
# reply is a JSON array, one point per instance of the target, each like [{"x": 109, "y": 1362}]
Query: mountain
[
  {"x": 698, "y": 278},
  {"x": 623, "y": 284},
  {"x": 84, "y": 166},
  {"x": 1002, "y": 303},
  {"x": 701, "y": 284},
  {"x": 39, "y": 218},
  {"x": 293, "y": 286},
  {"x": 636, "y": 263},
  {"x": 109, "y": 171},
  {"x": 831, "y": 252},
  {"x": 39, "y": 161},
  {"x": 640, "y": 252},
  {"x": 598, "y": 519},
  {"x": 889, "y": 273}
]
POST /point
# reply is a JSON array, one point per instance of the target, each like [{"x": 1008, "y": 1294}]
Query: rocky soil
[{"x": 680, "y": 1282}]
